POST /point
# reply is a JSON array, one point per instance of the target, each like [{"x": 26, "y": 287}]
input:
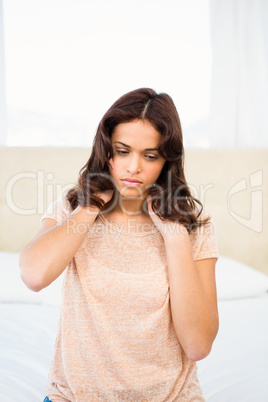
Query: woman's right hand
[{"x": 106, "y": 195}]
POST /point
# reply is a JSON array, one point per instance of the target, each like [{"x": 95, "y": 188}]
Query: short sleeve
[
  {"x": 204, "y": 241},
  {"x": 58, "y": 210}
]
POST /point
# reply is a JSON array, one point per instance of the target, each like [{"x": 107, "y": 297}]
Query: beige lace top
[{"x": 116, "y": 340}]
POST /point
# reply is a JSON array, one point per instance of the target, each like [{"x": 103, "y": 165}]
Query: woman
[{"x": 139, "y": 304}]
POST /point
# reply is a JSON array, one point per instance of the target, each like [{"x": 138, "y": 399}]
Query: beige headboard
[{"x": 232, "y": 184}]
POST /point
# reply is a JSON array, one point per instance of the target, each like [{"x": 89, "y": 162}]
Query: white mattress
[
  {"x": 237, "y": 367},
  {"x": 26, "y": 345},
  {"x": 236, "y": 370}
]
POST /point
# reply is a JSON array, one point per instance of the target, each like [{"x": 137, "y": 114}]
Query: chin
[
  {"x": 128, "y": 192},
  {"x": 131, "y": 194}
]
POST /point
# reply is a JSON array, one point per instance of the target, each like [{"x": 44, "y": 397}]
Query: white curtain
[
  {"x": 3, "y": 114},
  {"x": 239, "y": 86}
]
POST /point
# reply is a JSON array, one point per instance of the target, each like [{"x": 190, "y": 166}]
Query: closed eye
[
  {"x": 121, "y": 152},
  {"x": 152, "y": 157}
]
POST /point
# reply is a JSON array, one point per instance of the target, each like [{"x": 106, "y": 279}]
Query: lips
[{"x": 131, "y": 182}]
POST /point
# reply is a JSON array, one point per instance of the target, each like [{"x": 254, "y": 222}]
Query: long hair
[{"x": 171, "y": 196}]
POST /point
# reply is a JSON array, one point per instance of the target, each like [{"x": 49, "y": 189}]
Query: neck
[{"x": 130, "y": 206}]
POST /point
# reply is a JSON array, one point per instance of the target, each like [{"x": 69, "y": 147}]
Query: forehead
[{"x": 137, "y": 133}]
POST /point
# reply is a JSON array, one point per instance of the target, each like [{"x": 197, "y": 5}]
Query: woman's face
[{"x": 136, "y": 163}]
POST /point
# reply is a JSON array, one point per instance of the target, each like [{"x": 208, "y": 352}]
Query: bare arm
[
  {"x": 193, "y": 297},
  {"x": 54, "y": 246}
]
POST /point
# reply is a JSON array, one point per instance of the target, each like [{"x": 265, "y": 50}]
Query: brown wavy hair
[{"x": 171, "y": 196}]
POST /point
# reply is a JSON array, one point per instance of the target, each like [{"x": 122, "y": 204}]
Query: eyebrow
[{"x": 128, "y": 146}]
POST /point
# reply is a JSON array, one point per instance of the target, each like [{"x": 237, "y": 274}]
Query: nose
[{"x": 133, "y": 165}]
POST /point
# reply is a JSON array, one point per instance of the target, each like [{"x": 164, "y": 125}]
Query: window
[{"x": 66, "y": 62}]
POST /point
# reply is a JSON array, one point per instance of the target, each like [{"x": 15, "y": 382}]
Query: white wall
[
  {"x": 3, "y": 117},
  {"x": 67, "y": 62}
]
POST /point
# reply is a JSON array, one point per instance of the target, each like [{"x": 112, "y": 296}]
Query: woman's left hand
[{"x": 168, "y": 229}]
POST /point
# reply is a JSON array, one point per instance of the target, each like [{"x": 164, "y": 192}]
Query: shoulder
[
  {"x": 58, "y": 209},
  {"x": 65, "y": 203},
  {"x": 208, "y": 227},
  {"x": 204, "y": 238}
]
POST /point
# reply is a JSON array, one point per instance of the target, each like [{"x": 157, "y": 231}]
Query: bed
[
  {"x": 236, "y": 369},
  {"x": 233, "y": 186}
]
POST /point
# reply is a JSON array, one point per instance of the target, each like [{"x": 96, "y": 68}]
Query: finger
[{"x": 149, "y": 203}]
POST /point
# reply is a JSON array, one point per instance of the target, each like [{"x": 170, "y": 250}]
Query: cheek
[
  {"x": 154, "y": 171},
  {"x": 114, "y": 167}
]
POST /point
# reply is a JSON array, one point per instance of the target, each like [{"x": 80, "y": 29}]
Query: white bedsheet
[
  {"x": 237, "y": 367},
  {"x": 26, "y": 344},
  {"x": 236, "y": 370}
]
